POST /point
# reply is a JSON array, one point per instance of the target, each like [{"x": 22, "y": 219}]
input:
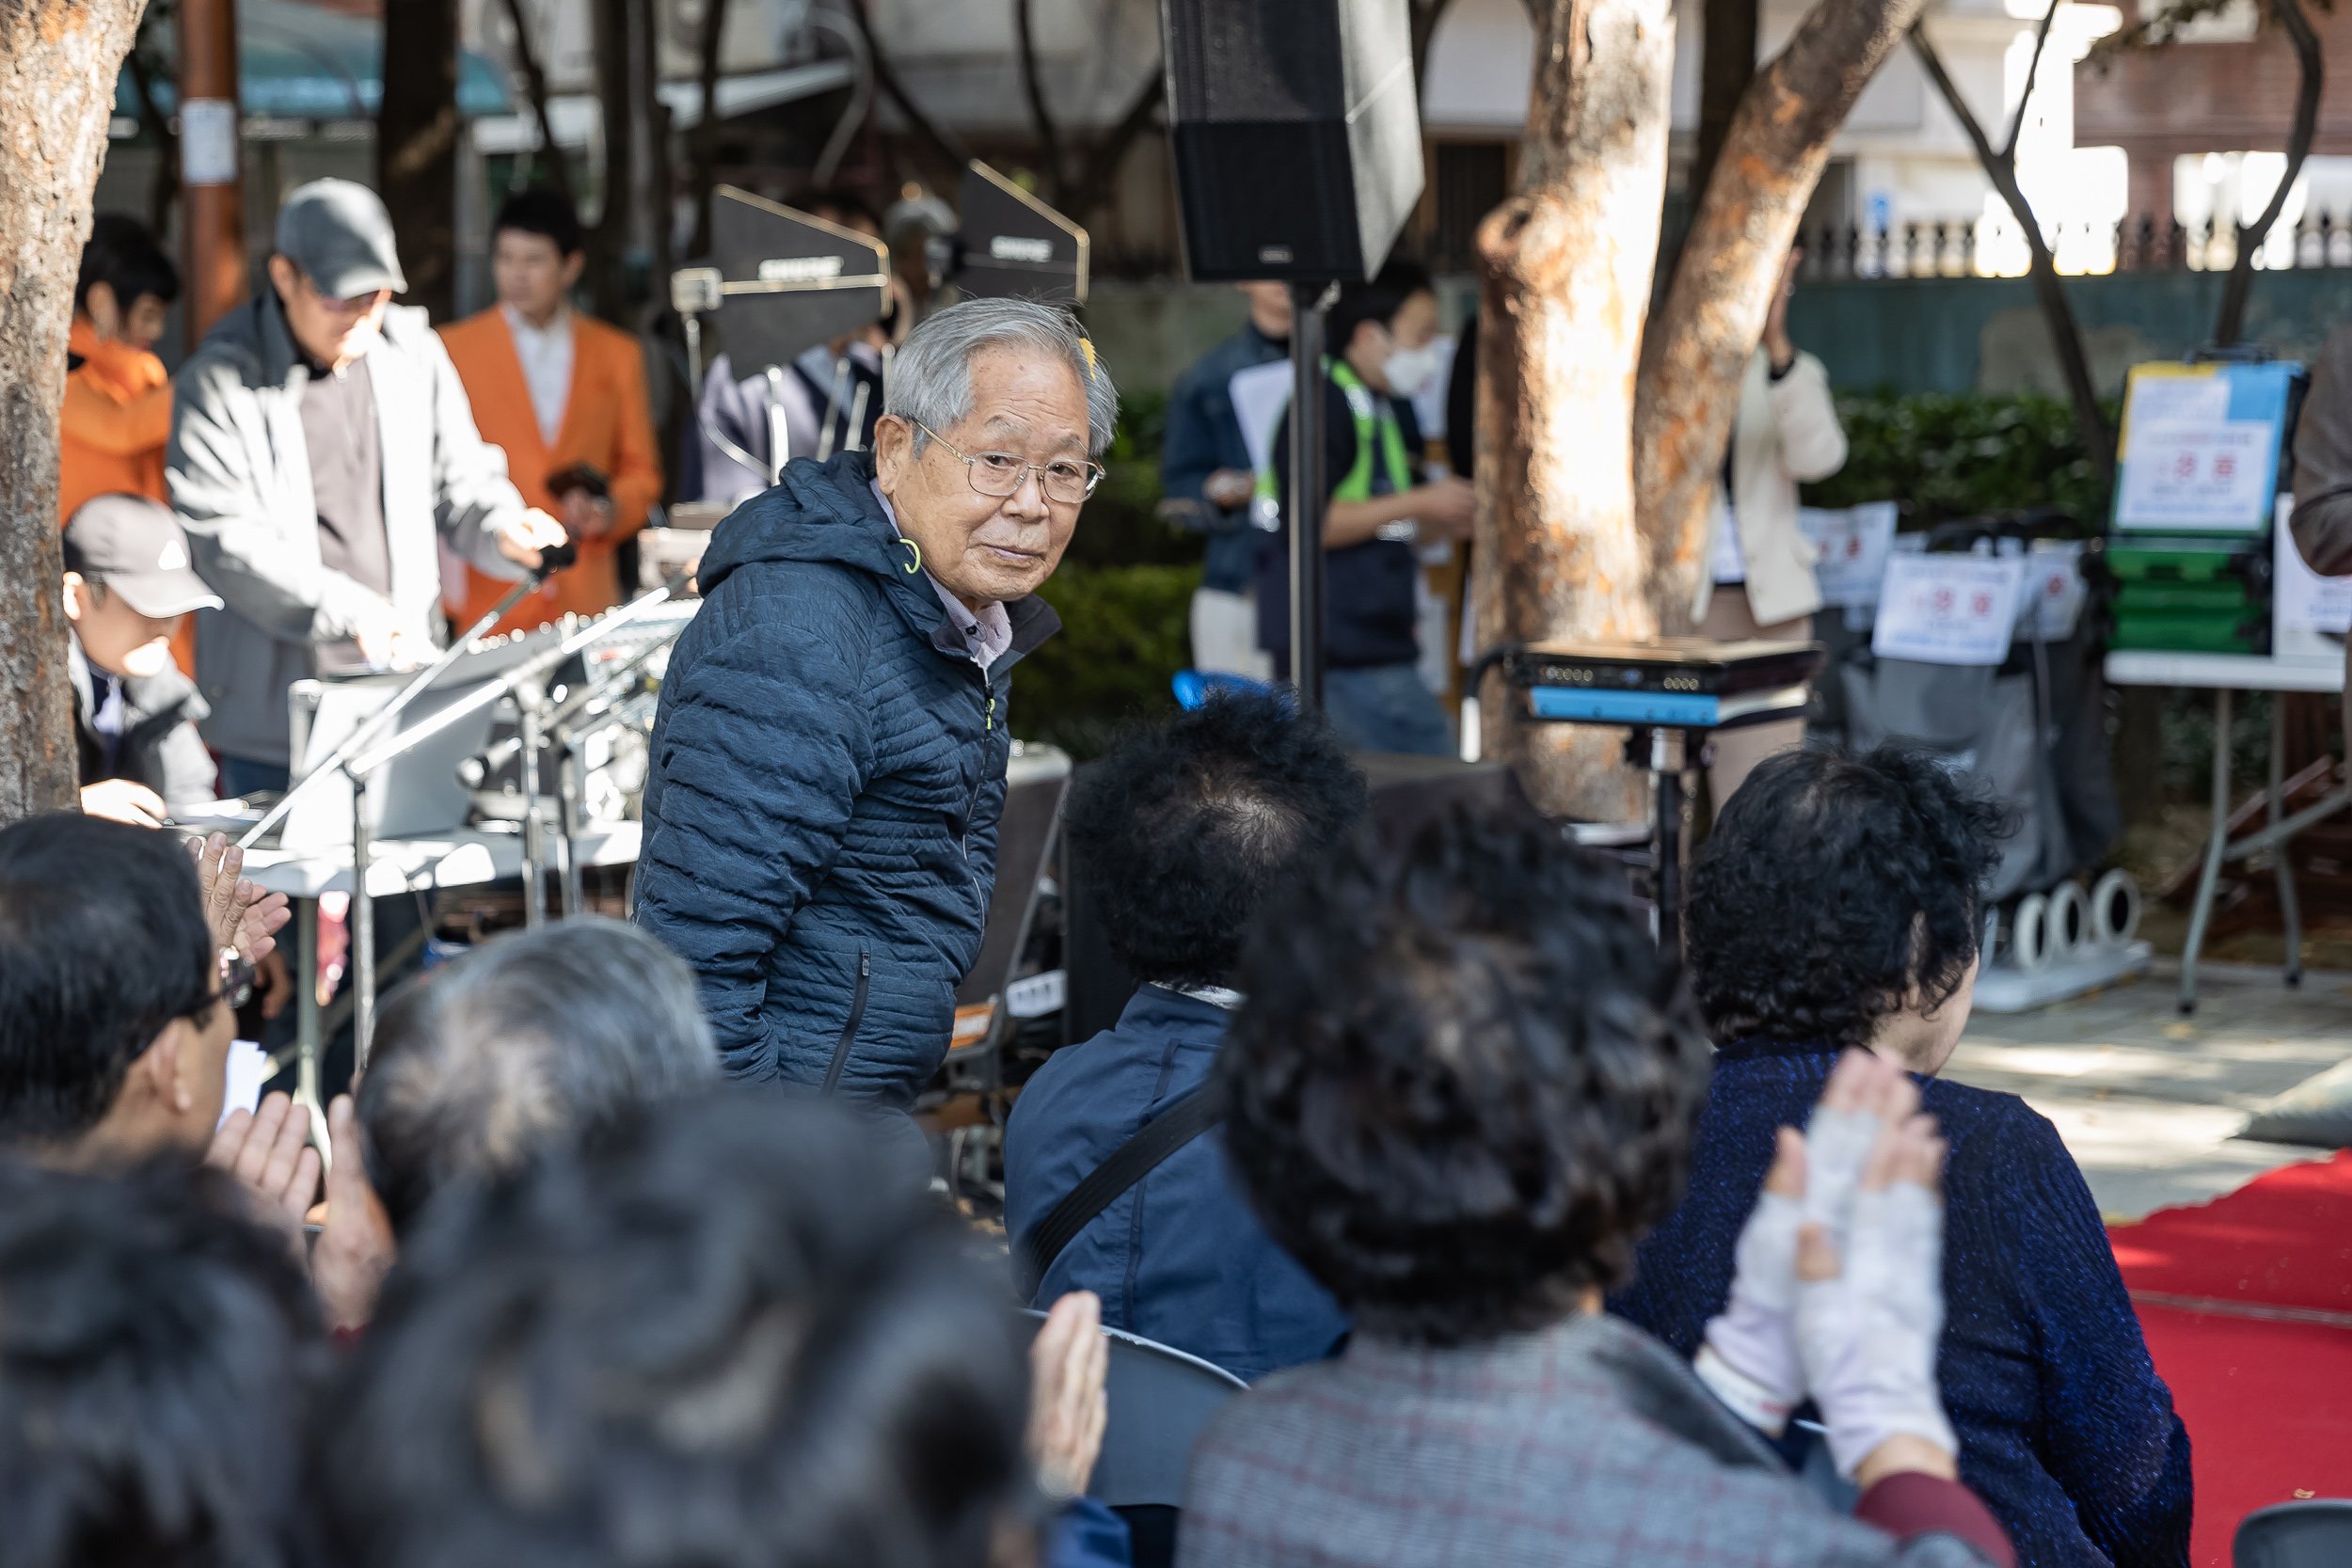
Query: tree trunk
[
  {"x": 59, "y": 59},
  {"x": 608, "y": 239},
  {"x": 1727, "y": 66},
  {"x": 550, "y": 160},
  {"x": 1565, "y": 269},
  {"x": 416, "y": 147},
  {"x": 1699, "y": 343},
  {"x": 705, "y": 137},
  {"x": 2310, "y": 75}
]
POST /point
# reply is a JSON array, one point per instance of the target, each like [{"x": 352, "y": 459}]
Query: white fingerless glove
[
  {"x": 1836, "y": 1143},
  {"x": 1749, "y": 1357},
  {"x": 1867, "y": 1338}
]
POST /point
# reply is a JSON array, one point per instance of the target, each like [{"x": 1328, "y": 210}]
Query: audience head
[
  {"x": 128, "y": 582},
  {"x": 729, "y": 1333},
  {"x": 1186, "y": 826},
  {"x": 1385, "y": 328},
  {"x": 126, "y": 283},
  {"x": 155, "y": 1355},
  {"x": 535, "y": 253},
  {"x": 1464, "y": 1083},
  {"x": 1839, "y": 898},
  {"x": 114, "y": 1043},
  {"x": 535, "y": 1039}
]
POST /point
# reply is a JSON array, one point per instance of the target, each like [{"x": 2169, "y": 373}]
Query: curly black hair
[
  {"x": 1183, "y": 829},
  {"x": 1831, "y": 886},
  {"x": 1464, "y": 1083}
]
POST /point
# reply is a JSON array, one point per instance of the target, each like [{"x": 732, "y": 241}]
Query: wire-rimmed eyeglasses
[{"x": 1067, "y": 480}]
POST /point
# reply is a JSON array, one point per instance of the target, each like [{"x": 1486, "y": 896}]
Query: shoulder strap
[{"x": 1160, "y": 1137}]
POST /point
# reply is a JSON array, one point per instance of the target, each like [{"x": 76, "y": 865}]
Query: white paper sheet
[
  {"x": 247, "y": 1069},
  {"x": 1853, "y": 546},
  {"x": 1948, "y": 608},
  {"x": 2300, "y": 598},
  {"x": 2215, "y": 475},
  {"x": 1261, "y": 395}
]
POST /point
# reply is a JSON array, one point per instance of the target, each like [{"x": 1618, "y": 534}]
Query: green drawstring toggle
[{"x": 917, "y": 549}]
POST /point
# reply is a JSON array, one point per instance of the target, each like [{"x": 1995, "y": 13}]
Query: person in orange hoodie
[
  {"x": 564, "y": 395},
  {"x": 117, "y": 418}
]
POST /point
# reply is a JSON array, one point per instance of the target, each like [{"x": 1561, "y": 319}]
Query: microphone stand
[{"x": 523, "y": 678}]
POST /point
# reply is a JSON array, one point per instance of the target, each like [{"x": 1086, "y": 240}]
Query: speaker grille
[{"x": 1243, "y": 60}]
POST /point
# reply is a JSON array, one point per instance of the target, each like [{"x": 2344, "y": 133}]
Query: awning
[{"x": 303, "y": 62}]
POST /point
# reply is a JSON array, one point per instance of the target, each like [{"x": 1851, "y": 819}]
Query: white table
[{"x": 2225, "y": 675}]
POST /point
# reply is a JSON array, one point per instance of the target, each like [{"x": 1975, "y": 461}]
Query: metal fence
[{"x": 1995, "y": 248}]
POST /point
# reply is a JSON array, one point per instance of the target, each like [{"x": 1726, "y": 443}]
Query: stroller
[{"x": 2030, "y": 731}]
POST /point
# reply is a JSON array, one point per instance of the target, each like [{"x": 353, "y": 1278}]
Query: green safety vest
[{"x": 1372, "y": 416}]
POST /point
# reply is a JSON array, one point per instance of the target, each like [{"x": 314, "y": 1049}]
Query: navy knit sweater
[{"x": 2065, "y": 1430}]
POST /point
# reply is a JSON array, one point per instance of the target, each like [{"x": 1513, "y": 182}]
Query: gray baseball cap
[
  {"x": 339, "y": 236},
  {"x": 135, "y": 548}
]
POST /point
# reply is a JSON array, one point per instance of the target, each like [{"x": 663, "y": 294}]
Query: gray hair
[
  {"x": 534, "y": 1038},
  {"x": 931, "y": 375}
]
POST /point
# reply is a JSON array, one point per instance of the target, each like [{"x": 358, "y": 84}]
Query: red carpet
[{"x": 2247, "y": 1301}]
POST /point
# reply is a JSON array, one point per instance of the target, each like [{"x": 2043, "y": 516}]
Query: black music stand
[{"x": 1677, "y": 688}]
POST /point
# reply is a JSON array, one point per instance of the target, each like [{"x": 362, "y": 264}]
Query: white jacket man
[{"x": 1760, "y": 582}]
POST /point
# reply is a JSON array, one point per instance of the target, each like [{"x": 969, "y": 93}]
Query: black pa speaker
[
  {"x": 782, "y": 280},
  {"x": 1296, "y": 131}
]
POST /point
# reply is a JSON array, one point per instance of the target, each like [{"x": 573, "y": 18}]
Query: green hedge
[
  {"x": 1125, "y": 635},
  {"x": 1962, "y": 454}
]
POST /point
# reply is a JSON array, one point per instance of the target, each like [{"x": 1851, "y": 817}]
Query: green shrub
[
  {"x": 1125, "y": 635},
  {"x": 1959, "y": 455}
]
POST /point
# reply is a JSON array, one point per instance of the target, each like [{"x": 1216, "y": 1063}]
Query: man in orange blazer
[{"x": 564, "y": 395}]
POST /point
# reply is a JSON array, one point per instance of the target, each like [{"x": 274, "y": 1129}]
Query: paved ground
[{"x": 2150, "y": 1102}]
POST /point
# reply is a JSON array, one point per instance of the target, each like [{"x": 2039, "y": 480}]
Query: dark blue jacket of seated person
[
  {"x": 2065, "y": 1430},
  {"x": 828, "y": 771},
  {"x": 1178, "y": 1257}
]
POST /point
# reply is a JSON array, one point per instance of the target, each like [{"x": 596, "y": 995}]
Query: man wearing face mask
[
  {"x": 320, "y": 442},
  {"x": 1383, "y": 335}
]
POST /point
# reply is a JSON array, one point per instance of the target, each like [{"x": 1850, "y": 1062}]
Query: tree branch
[
  {"x": 2057, "y": 311},
  {"x": 1048, "y": 138},
  {"x": 1102, "y": 166},
  {"x": 943, "y": 145},
  {"x": 707, "y": 128},
  {"x": 166, "y": 189},
  {"x": 2309, "y": 71},
  {"x": 535, "y": 87},
  {"x": 2033, "y": 68}
]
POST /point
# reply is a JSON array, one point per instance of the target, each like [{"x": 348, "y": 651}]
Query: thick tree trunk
[
  {"x": 416, "y": 147},
  {"x": 1566, "y": 266},
  {"x": 59, "y": 60},
  {"x": 2310, "y": 75},
  {"x": 608, "y": 239},
  {"x": 1699, "y": 343}
]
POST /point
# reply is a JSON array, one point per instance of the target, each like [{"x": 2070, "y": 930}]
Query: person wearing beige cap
[
  {"x": 127, "y": 586},
  {"x": 321, "y": 443}
]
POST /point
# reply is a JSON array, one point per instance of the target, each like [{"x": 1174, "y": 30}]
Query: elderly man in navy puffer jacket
[{"x": 829, "y": 759}]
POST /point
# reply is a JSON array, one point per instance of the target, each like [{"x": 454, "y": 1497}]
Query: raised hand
[
  {"x": 1069, "y": 1361},
  {"x": 240, "y": 915},
  {"x": 265, "y": 1149},
  {"x": 1749, "y": 1355}
]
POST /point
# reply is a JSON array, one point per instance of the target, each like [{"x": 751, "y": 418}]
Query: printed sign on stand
[
  {"x": 1853, "y": 546},
  {"x": 2199, "y": 475},
  {"x": 1948, "y": 608},
  {"x": 2308, "y": 613},
  {"x": 2054, "y": 588}
]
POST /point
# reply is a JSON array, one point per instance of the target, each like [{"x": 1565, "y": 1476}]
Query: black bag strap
[{"x": 1158, "y": 1138}]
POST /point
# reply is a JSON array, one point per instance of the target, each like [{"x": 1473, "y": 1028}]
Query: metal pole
[
  {"x": 534, "y": 848},
  {"x": 363, "y": 929},
  {"x": 2216, "y": 850},
  {"x": 569, "y": 764},
  {"x": 212, "y": 210},
  {"x": 307, "y": 1041},
  {"x": 1666, "y": 771},
  {"x": 1306, "y": 492},
  {"x": 2283, "y": 858}
]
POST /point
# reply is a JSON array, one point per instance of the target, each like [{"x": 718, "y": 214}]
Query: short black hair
[
  {"x": 1464, "y": 1083},
  {"x": 1830, "y": 886},
  {"x": 1183, "y": 828},
  {"x": 122, "y": 254},
  {"x": 734, "y": 1331},
  {"x": 102, "y": 943},
  {"x": 157, "y": 1355},
  {"x": 1376, "y": 301},
  {"x": 535, "y": 1038},
  {"x": 539, "y": 211}
]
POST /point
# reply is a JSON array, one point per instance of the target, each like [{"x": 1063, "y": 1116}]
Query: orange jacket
[
  {"x": 606, "y": 423},
  {"x": 111, "y": 435}
]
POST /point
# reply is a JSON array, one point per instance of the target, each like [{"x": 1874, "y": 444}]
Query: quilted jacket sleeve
[{"x": 764, "y": 745}]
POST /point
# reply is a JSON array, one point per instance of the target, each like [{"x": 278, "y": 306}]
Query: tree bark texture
[
  {"x": 1566, "y": 269},
  {"x": 1700, "y": 340},
  {"x": 2309, "y": 76},
  {"x": 1727, "y": 66},
  {"x": 58, "y": 60},
  {"x": 416, "y": 147},
  {"x": 607, "y": 240}
]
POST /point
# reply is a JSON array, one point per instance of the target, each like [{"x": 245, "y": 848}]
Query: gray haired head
[
  {"x": 931, "y": 375},
  {"x": 534, "y": 1038}
]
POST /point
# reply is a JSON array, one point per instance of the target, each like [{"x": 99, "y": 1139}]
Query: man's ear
[
  {"x": 282, "y": 274},
  {"x": 76, "y": 597},
  {"x": 574, "y": 264},
  {"x": 893, "y": 452},
  {"x": 155, "y": 1072}
]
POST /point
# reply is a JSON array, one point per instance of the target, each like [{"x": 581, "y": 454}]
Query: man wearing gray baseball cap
[{"x": 321, "y": 445}]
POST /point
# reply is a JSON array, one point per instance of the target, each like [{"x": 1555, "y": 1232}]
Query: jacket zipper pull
[{"x": 865, "y": 967}]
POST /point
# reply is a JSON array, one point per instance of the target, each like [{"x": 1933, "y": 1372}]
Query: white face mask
[{"x": 1409, "y": 370}]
